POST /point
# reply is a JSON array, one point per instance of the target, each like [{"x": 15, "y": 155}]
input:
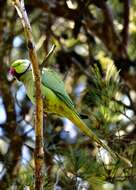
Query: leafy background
[{"x": 95, "y": 55}]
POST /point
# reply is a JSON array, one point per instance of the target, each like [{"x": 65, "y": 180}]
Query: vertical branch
[
  {"x": 126, "y": 23},
  {"x": 39, "y": 154}
]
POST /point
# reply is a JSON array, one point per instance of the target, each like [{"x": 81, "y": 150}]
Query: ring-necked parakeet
[{"x": 55, "y": 98}]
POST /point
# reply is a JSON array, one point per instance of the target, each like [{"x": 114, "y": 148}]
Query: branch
[
  {"x": 58, "y": 9},
  {"x": 45, "y": 61},
  {"x": 12, "y": 161},
  {"x": 19, "y": 31},
  {"x": 39, "y": 154},
  {"x": 126, "y": 23},
  {"x": 105, "y": 30}
]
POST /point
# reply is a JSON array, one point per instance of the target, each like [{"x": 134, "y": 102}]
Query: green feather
[{"x": 53, "y": 81}]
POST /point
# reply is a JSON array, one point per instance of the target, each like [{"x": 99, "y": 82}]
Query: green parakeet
[{"x": 55, "y": 98}]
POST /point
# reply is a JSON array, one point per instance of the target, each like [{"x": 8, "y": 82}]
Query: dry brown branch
[{"x": 39, "y": 154}]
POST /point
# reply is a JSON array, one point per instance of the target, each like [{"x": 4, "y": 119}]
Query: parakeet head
[{"x": 19, "y": 67}]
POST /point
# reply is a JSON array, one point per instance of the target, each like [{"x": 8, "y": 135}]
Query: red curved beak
[
  {"x": 11, "y": 74},
  {"x": 11, "y": 71}
]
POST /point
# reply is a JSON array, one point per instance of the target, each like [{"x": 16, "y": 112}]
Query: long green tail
[{"x": 83, "y": 127}]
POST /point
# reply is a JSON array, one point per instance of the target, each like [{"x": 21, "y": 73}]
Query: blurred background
[{"x": 95, "y": 56}]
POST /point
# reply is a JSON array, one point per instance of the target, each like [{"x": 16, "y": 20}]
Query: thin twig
[
  {"x": 86, "y": 73},
  {"x": 39, "y": 154},
  {"x": 44, "y": 63}
]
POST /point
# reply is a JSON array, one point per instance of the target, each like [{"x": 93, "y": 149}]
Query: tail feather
[{"x": 83, "y": 127}]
